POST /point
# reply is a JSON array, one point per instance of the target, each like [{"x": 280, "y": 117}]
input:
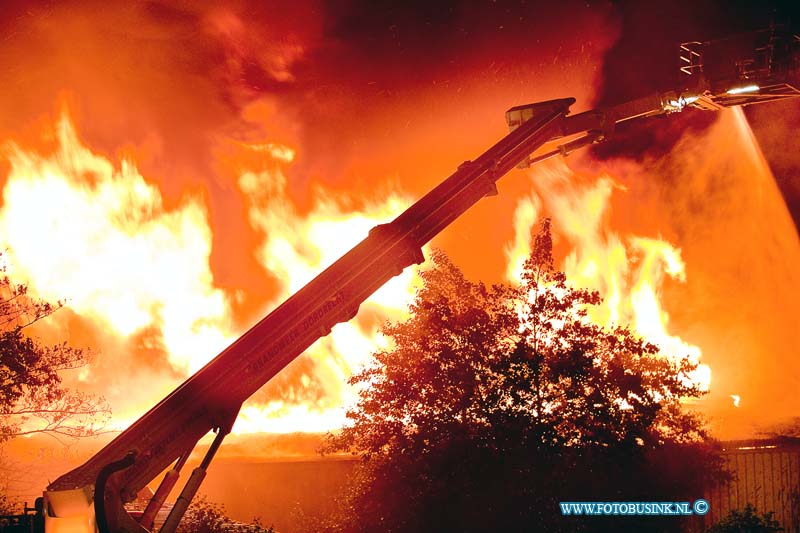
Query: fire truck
[{"x": 92, "y": 497}]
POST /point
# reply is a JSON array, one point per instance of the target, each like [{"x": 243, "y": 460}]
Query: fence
[{"x": 766, "y": 474}]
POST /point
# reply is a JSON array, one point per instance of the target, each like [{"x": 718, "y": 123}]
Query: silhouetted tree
[
  {"x": 8, "y": 506},
  {"x": 495, "y": 403},
  {"x": 746, "y": 520},
  {"x": 203, "y": 516},
  {"x": 33, "y": 398}
]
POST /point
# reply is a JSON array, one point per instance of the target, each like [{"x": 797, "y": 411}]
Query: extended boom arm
[{"x": 211, "y": 398}]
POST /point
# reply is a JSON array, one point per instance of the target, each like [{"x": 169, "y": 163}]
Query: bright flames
[
  {"x": 628, "y": 271},
  {"x": 79, "y": 229},
  {"x": 295, "y": 249}
]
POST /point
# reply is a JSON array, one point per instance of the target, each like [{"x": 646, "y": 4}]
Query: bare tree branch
[{"x": 33, "y": 398}]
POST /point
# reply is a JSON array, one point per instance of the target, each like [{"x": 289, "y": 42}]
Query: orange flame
[
  {"x": 79, "y": 228},
  {"x": 295, "y": 249},
  {"x": 628, "y": 271}
]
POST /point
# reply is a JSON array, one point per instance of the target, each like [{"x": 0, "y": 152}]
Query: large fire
[
  {"x": 79, "y": 228},
  {"x": 219, "y": 157},
  {"x": 125, "y": 262},
  {"x": 122, "y": 260}
]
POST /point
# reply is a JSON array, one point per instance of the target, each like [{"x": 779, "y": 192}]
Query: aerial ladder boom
[
  {"x": 93, "y": 495},
  {"x": 211, "y": 398}
]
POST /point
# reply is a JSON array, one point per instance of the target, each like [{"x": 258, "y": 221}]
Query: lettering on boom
[
  {"x": 296, "y": 332},
  {"x": 176, "y": 431},
  {"x": 160, "y": 446}
]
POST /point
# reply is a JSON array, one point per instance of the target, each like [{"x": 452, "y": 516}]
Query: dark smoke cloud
[{"x": 645, "y": 57}]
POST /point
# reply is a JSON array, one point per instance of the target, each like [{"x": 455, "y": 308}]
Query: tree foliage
[
  {"x": 33, "y": 398},
  {"x": 746, "y": 520},
  {"x": 494, "y": 403},
  {"x": 203, "y": 516},
  {"x": 9, "y": 506}
]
